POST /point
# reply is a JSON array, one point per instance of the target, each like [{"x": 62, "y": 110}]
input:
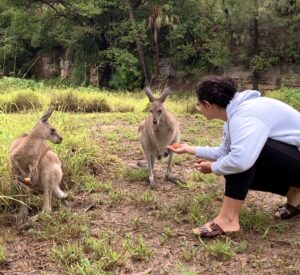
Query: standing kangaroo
[
  {"x": 31, "y": 158},
  {"x": 156, "y": 132}
]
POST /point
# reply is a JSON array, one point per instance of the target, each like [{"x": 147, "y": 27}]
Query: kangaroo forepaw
[
  {"x": 173, "y": 179},
  {"x": 47, "y": 209},
  {"x": 142, "y": 164},
  {"x": 62, "y": 195},
  {"x": 153, "y": 184}
]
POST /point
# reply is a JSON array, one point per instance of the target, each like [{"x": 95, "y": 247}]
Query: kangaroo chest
[{"x": 162, "y": 138}]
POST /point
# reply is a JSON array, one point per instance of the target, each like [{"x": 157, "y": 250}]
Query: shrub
[
  {"x": 69, "y": 101},
  {"x": 20, "y": 101}
]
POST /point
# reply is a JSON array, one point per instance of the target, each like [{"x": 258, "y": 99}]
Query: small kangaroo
[
  {"x": 31, "y": 157},
  {"x": 156, "y": 132}
]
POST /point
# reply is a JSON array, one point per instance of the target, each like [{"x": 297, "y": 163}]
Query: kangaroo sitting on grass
[
  {"x": 32, "y": 161},
  {"x": 156, "y": 132}
]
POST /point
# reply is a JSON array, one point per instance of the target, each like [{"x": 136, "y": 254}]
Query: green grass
[
  {"x": 146, "y": 199},
  {"x": 133, "y": 174},
  {"x": 2, "y": 254},
  {"x": 137, "y": 248},
  {"x": 106, "y": 257},
  {"x": 220, "y": 249},
  {"x": 59, "y": 226}
]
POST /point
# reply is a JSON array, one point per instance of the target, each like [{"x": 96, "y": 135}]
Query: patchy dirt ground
[{"x": 163, "y": 217}]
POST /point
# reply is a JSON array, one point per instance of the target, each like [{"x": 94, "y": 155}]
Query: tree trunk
[
  {"x": 139, "y": 46},
  {"x": 255, "y": 42},
  {"x": 229, "y": 26},
  {"x": 15, "y": 61},
  {"x": 4, "y": 55},
  {"x": 155, "y": 39}
]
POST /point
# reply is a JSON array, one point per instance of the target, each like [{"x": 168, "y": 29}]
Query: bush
[
  {"x": 69, "y": 101},
  {"x": 20, "y": 101},
  {"x": 13, "y": 82}
]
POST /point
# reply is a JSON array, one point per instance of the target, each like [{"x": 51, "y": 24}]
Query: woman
[{"x": 259, "y": 150}]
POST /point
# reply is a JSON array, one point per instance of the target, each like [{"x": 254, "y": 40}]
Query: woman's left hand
[{"x": 203, "y": 166}]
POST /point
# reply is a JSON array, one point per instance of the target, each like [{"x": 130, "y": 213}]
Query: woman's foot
[
  {"x": 292, "y": 206},
  {"x": 227, "y": 220},
  {"x": 287, "y": 211},
  {"x": 219, "y": 226}
]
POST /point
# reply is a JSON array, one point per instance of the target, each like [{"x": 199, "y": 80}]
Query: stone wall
[
  {"x": 274, "y": 78},
  {"x": 59, "y": 63}
]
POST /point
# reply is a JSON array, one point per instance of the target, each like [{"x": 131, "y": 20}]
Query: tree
[
  {"x": 139, "y": 45},
  {"x": 159, "y": 17}
]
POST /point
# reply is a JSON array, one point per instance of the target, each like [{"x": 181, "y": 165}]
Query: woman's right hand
[{"x": 179, "y": 148}]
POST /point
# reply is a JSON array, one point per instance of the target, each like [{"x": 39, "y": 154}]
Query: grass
[
  {"x": 220, "y": 248},
  {"x": 146, "y": 199},
  {"x": 112, "y": 222},
  {"x": 59, "y": 226},
  {"x": 106, "y": 257},
  {"x": 21, "y": 101},
  {"x": 2, "y": 254},
  {"x": 133, "y": 174},
  {"x": 137, "y": 248}
]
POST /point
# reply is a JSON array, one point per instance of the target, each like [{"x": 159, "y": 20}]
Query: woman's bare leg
[{"x": 293, "y": 196}]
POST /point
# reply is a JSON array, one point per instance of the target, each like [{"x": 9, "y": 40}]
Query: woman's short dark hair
[{"x": 217, "y": 90}]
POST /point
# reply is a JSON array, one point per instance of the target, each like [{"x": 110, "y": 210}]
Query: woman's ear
[{"x": 206, "y": 104}]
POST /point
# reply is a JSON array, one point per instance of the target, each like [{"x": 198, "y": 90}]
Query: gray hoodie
[{"x": 251, "y": 120}]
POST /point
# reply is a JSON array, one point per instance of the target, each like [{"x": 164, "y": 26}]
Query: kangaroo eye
[
  {"x": 52, "y": 130},
  {"x": 151, "y": 111}
]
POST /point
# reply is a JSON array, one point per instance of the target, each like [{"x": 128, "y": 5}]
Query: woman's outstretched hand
[{"x": 179, "y": 148}]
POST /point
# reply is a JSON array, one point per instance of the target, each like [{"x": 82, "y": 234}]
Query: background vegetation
[{"x": 124, "y": 40}]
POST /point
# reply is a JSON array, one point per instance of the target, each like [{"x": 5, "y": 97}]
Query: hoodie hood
[{"x": 238, "y": 99}]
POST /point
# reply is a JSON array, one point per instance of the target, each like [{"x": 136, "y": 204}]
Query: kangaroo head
[
  {"x": 157, "y": 108},
  {"x": 44, "y": 130}
]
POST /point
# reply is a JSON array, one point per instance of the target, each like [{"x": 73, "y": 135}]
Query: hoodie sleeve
[
  {"x": 213, "y": 153},
  {"x": 248, "y": 135}
]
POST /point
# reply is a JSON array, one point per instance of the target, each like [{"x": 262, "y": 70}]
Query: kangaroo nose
[{"x": 154, "y": 122}]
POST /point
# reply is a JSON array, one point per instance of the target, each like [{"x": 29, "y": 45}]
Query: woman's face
[
  {"x": 211, "y": 111},
  {"x": 205, "y": 108}
]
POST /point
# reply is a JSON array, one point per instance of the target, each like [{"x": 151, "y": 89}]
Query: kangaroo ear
[
  {"x": 149, "y": 94},
  {"x": 46, "y": 115},
  {"x": 164, "y": 94}
]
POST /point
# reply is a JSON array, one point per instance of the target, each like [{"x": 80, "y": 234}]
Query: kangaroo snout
[{"x": 58, "y": 140}]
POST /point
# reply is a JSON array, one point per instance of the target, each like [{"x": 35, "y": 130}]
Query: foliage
[
  {"x": 126, "y": 75},
  {"x": 198, "y": 36},
  {"x": 259, "y": 63}
]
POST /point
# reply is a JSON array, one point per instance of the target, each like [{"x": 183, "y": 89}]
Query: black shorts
[{"x": 276, "y": 169}]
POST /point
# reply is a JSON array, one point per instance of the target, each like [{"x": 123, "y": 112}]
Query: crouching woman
[{"x": 259, "y": 150}]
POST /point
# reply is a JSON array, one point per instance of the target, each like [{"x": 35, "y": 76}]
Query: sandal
[
  {"x": 203, "y": 232},
  {"x": 287, "y": 211}
]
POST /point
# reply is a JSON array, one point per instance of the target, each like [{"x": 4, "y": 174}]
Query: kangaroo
[
  {"x": 156, "y": 132},
  {"x": 31, "y": 158}
]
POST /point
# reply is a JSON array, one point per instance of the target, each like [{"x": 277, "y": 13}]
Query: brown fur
[
  {"x": 31, "y": 156},
  {"x": 156, "y": 132}
]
